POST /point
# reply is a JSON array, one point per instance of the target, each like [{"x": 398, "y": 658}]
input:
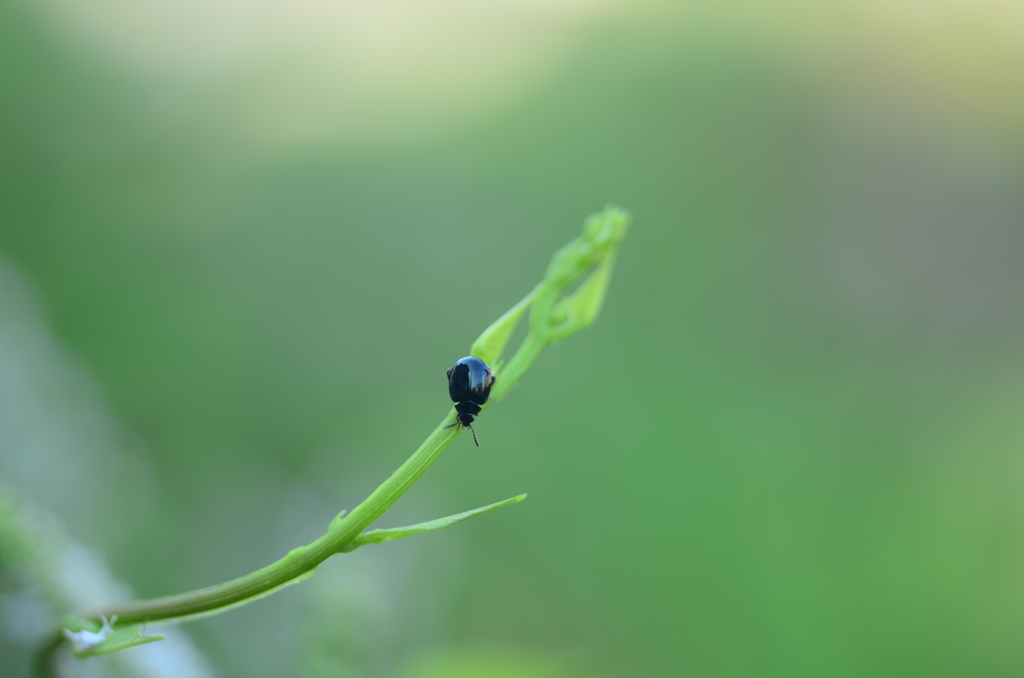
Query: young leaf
[
  {"x": 337, "y": 520},
  {"x": 490, "y": 345},
  {"x": 579, "y": 309},
  {"x": 91, "y": 639},
  {"x": 381, "y": 536}
]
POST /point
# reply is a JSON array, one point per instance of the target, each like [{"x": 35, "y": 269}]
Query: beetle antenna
[{"x": 474, "y": 435}]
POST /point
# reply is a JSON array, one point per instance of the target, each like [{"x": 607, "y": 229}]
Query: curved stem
[
  {"x": 602, "y": 234},
  {"x": 298, "y": 561},
  {"x": 302, "y": 560}
]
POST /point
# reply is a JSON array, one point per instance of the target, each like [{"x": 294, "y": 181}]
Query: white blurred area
[
  {"x": 350, "y": 72},
  {"x": 68, "y": 472},
  {"x": 59, "y": 441}
]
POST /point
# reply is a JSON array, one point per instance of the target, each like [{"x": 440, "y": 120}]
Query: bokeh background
[{"x": 240, "y": 243}]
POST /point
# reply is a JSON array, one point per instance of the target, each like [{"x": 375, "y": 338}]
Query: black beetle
[{"x": 469, "y": 385}]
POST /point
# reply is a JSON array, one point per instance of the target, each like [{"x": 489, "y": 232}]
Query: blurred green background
[{"x": 240, "y": 243}]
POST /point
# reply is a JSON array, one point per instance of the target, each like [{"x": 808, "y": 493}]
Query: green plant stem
[
  {"x": 300, "y": 561},
  {"x": 517, "y": 365},
  {"x": 592, "y": 251}
]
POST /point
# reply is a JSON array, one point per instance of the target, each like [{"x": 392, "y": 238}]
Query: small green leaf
[
  {"x": 490, "y": 345},
  {"x": 580, "y": 309},
  {"x": 122, "y": 639},
  {"x": 337, "y": 520},
  {"x": 602, "y": 234},
  {"x": 607, "y": 228},
  {"x": 380, "y": 536},
  {"x": 91, "y": 639},
  {"x": 592, "y": 254}
]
